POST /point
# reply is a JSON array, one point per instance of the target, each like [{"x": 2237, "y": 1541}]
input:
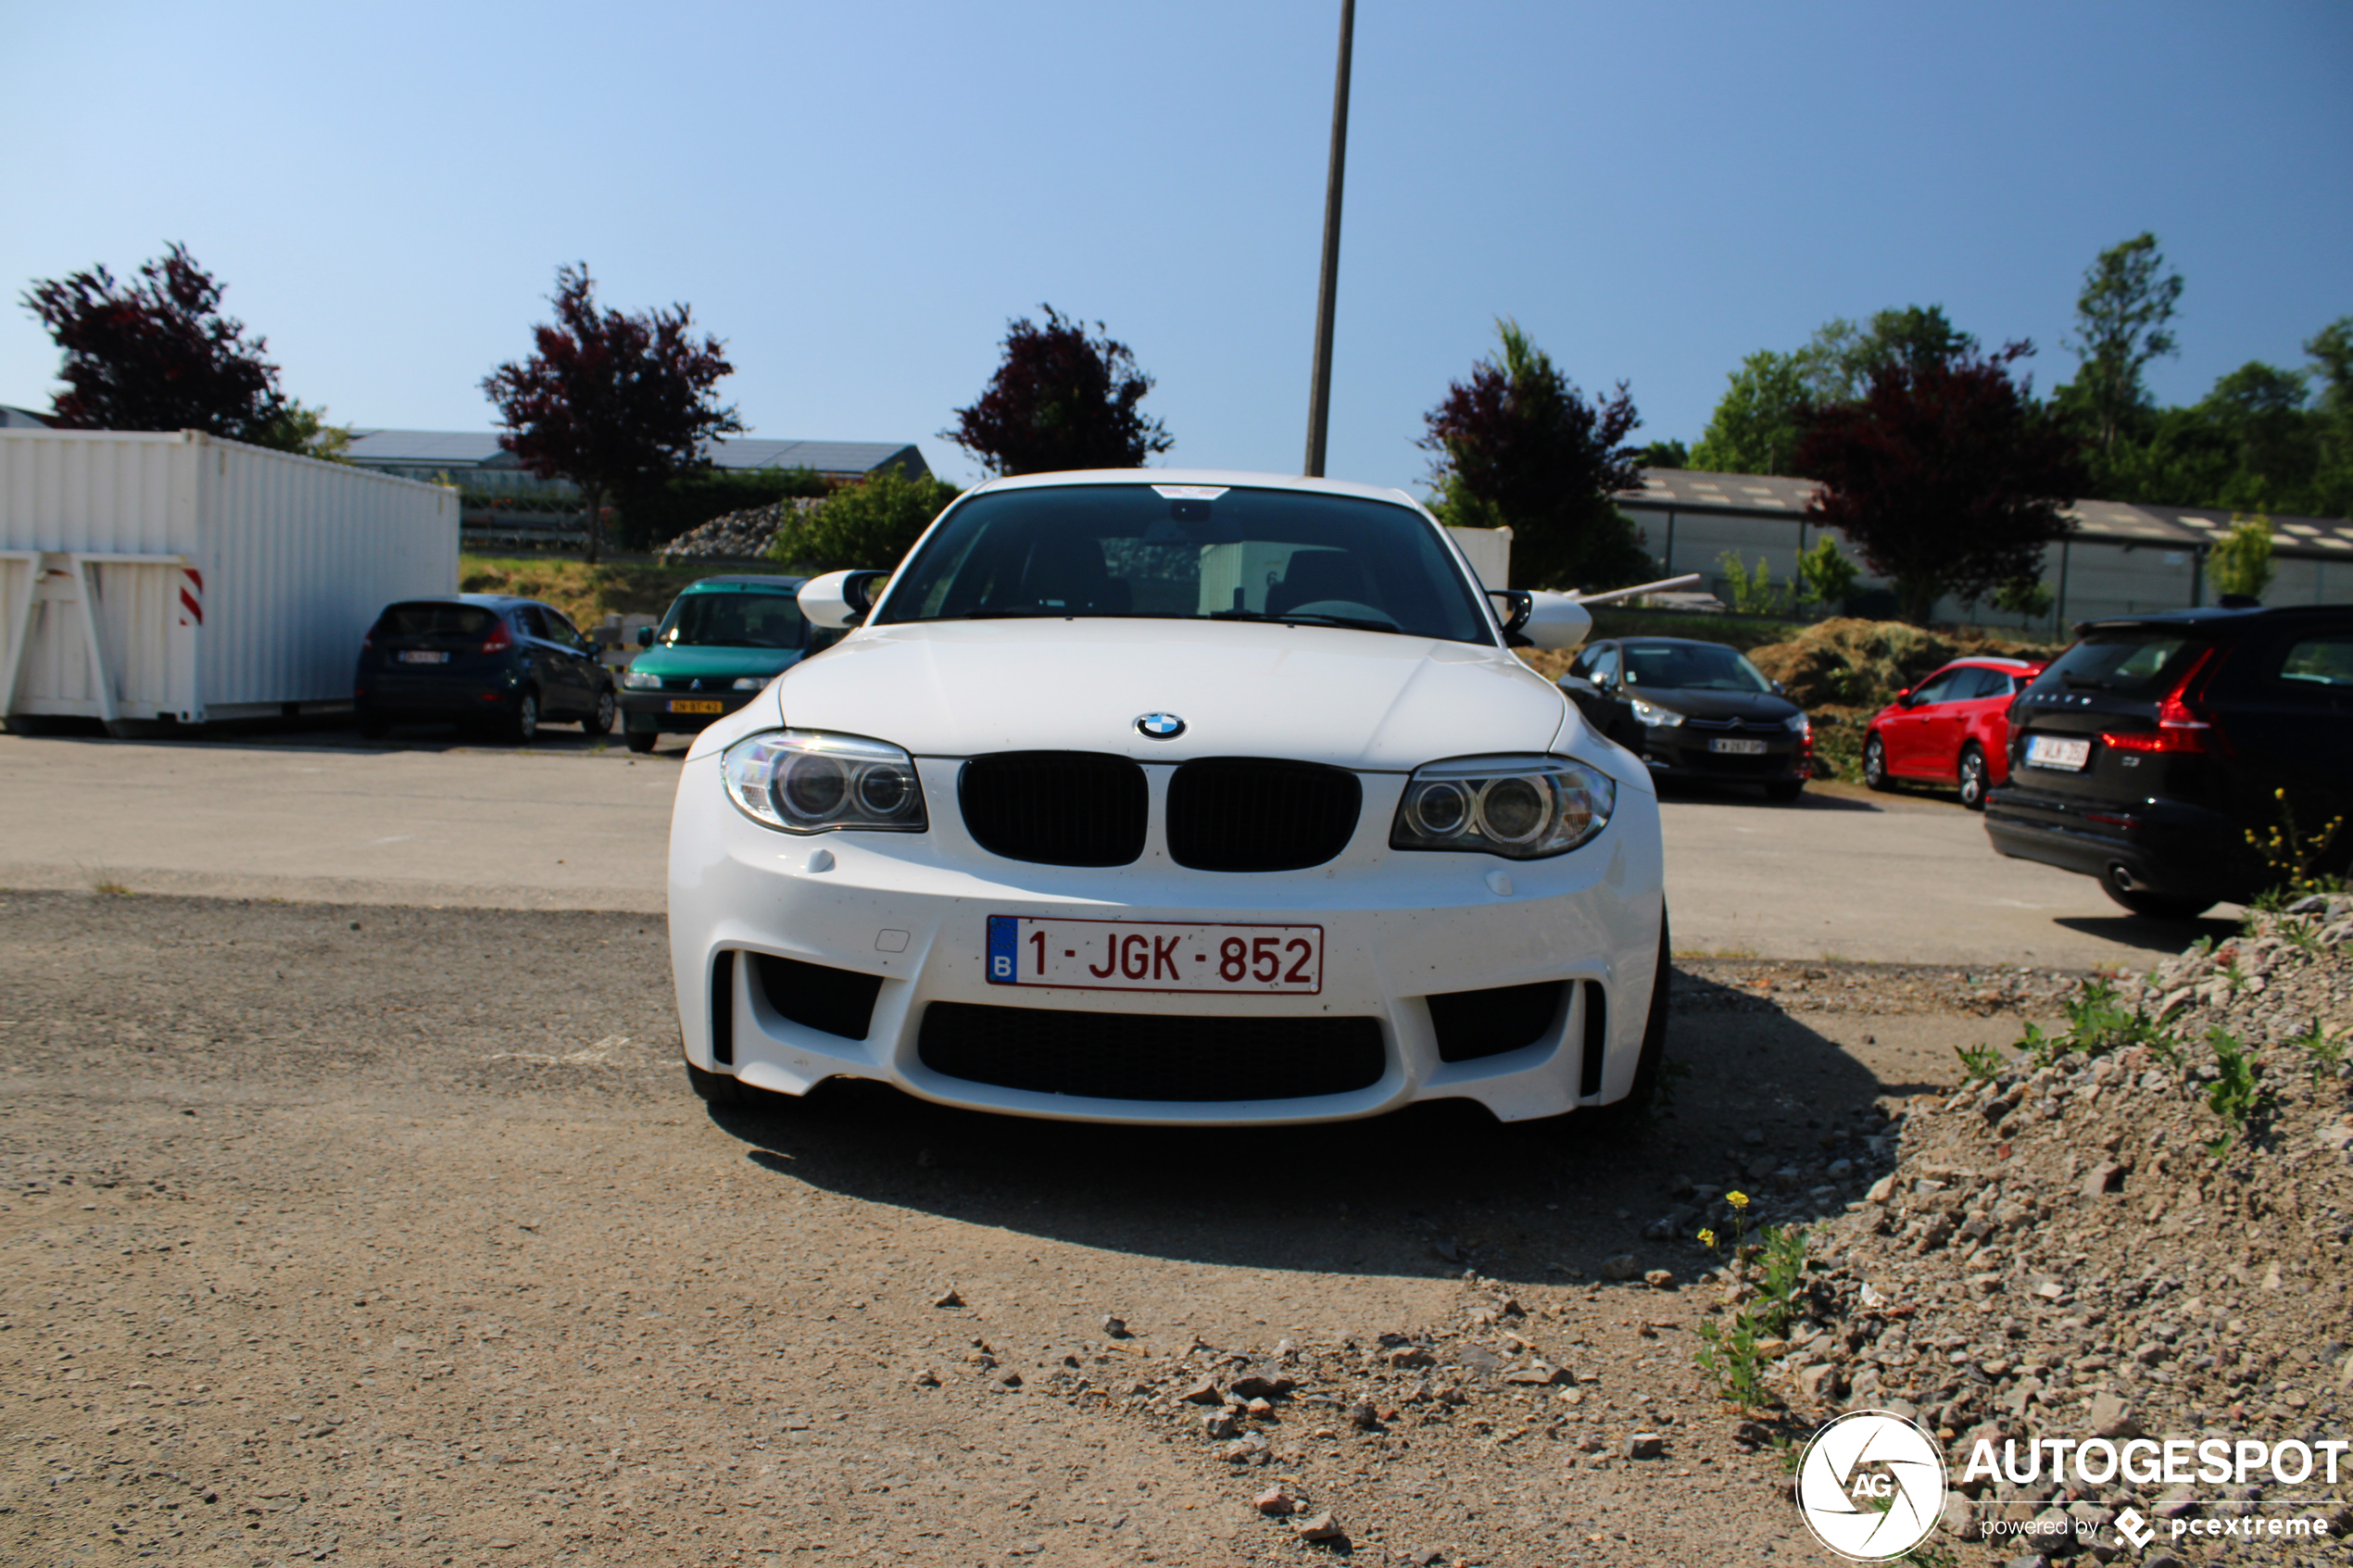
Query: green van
[{"x": 724, "y": 639}]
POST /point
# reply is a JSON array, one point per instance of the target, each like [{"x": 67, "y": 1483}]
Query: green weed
[
  {"x": 2097, "y": 1024},
  {"x": 1981, "y": 1064},
  {"x": 2325, "y": 1050},
  {"x": 2234, "y": 1095},
  {"x": 2294, "y": 857},
  {"x": 1728, "y": 1355}
]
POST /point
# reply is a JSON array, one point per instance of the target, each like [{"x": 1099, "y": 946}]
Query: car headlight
[
  {"x": 1523, "y": 808},
  {"x": 1797, "y": 723},
  {"x": 641, "y": 681},
  {"x": 751, "y": 682},
  {"x": 1654, "y": 716},
  {"x": 808, "y": 781}
]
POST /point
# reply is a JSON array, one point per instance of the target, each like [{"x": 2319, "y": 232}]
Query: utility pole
[{"x": 1319, "y": 397}]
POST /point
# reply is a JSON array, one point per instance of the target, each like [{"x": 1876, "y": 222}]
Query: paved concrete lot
[{"x": 575, "y": 824}]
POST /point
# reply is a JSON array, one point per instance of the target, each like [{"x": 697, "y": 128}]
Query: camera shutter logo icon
[{"x": 1871, "y": 1485}]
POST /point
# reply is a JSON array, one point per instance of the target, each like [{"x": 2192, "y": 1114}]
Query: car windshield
[
  {"x": 1708, "y": 667},
  {"x": 734, "y": 621},
  {"x": 2129, "y": 663},
  {"x": 1190, "y": 553}
]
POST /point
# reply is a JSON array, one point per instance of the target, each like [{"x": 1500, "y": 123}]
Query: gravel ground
[
  {"x": 390, "y": 1235},
  {"x": 2083, "y": 1243}
]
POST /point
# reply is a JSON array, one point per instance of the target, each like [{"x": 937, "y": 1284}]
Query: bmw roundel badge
[{"x": 1160, "y": 726}]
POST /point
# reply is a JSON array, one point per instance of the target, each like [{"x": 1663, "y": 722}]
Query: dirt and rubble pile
[
  {"x": 2137, "y": 1226},
  {"x": 743, "y": 535}
]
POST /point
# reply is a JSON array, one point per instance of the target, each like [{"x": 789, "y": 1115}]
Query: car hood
[
  {"x": 1695, "y": 703},
  {"x": 703, "y": 661},
  {"x": 1355, "y": 699}
]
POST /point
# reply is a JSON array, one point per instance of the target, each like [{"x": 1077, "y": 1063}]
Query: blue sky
[{"x": 857, "y": 196}]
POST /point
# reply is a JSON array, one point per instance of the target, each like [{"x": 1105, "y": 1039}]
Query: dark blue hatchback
[{"x": 482, "y": 661}]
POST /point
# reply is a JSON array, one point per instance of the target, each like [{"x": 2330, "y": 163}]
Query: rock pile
[
  {"x": 743, "y": 535},
  {"x": 2141, "y": 1226}
]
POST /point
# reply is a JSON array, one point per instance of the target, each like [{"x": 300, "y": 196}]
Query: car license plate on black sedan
[
  {"x": 1725, "y": 746},
  {"x": 2052, "y": 751},
  {"x": 1118, "y": 954},
  {"x": 696, "y": 705},
  {"x": 423, "y": 655}
]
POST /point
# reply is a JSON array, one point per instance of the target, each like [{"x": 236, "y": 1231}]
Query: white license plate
[
  {"x": 1737, "y": 747},
  {"x": 2050, "y": 751},
  {"x": 1126, "y": 955},
  {"x": 423, "y": 655}
]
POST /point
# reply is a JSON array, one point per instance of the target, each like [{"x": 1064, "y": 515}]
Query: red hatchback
[{"x": 1951, "y": 728}]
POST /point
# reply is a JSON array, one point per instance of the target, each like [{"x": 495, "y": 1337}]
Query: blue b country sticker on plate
[{"x": 1004, "y": 950}]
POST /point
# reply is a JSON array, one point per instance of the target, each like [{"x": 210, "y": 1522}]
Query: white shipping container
[
  {"x": 1488, "y": 550},
  {"x": 161, "y": 575}
]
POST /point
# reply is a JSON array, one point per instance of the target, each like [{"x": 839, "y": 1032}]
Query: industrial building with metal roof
[
  {"x": 2120, "y": 559},
  {"x": 475, "y": 461}
]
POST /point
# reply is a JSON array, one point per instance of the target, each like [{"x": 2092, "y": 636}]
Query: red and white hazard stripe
[{"x": 191, "y": 596}]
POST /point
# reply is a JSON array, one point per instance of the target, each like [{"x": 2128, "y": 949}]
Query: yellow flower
[
  {"x": 1707, "y": 1238},
  {"x": 1737, "y": 1199}
]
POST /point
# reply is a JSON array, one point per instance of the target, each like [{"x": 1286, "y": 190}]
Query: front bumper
[
  {"x": 911, "y": 911},
  {"x": 650, "y": 712},
  {"x": 2166, "y": 846},
  {"x": 1672, "y": 754}
]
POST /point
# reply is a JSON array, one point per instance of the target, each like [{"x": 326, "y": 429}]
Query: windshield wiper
[{"x": 1355, "y": 623}]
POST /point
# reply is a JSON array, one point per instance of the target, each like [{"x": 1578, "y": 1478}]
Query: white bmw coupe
[{"x": 1174, "y": 797}]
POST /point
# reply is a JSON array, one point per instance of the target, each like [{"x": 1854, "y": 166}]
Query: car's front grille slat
[
  {"x": 1257, "y": 814},
  {"x": 1055, "y": 808},
  {"x": 1159, "y": 1057}
]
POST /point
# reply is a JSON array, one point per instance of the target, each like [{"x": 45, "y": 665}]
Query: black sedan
[{"x": 1694, "y": 710}]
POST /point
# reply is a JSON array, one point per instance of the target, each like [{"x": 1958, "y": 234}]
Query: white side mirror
[
  {"x": 1554, "y": 621},
  {"x": 839, "y": 599}
]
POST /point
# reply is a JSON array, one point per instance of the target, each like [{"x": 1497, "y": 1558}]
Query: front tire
[
  {"x": 600, "y": 722},
  {"x": 2154, "y": 905},
  {"x": 522, "y": 724},
  {"x": 1973, "y": 775},
  {"x": 1875, "y": 765},
  {"x": 642, "y": 741}
]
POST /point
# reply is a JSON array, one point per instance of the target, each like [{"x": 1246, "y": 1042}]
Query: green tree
[
  {"x": 1665, "y": 454},
  {"x": 1841, "y": 356},
  {"x": 1824, "y": 574},
  {"x": 304, "y": 430},
  {"x": 1517, "y": 445},
  {"x": 1764, "y": 413},
  {"x": 1753, "y": 591},
  {"x": 2120, "y": 325},
  {"x": 2240, "y": 562},
  {"x": 1760, "y": 419},
  {"x": 2259, "y": 411},
  {"x": 2332, "y": 349},
  {"x": 873, "y": 523},
  {"x": 2026, "y": 597}
]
